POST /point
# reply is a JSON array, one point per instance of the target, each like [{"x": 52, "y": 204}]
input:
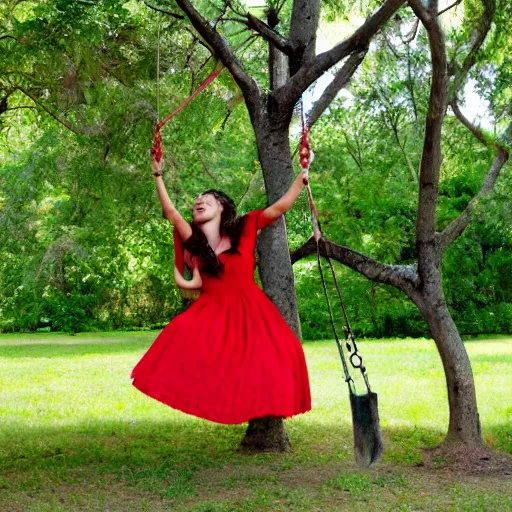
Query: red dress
[{"x": 230, "y": 356}]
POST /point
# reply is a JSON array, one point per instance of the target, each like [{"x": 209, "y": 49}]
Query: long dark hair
[{"x": 230, "y": 226}]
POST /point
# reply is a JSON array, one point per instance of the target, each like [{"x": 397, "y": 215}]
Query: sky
[{"x": 476, "y": 109}]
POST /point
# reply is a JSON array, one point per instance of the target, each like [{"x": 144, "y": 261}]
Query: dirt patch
[
  {"x": 486, "y": 473},
  {"x": 298, "y": 475},
  {"x": 469, "y": 461}
]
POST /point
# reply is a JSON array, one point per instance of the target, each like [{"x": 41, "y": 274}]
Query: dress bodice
[{"x": 238, "y": 271}]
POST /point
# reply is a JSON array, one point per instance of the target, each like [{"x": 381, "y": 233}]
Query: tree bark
[
  {"x": 265, "y": 435},
  {"x": 464, "y": 422},
  {"x": 276, "y": 272},
  {"x": 275, "y": 266},
  {"x": 303, "y": 30}
]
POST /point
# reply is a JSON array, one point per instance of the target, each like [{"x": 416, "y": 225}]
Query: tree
[
  {"x": 421, "y": 281},
  {"x": 271, "y": 114}
]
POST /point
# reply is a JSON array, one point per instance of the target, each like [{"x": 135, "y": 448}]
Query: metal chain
[
  {"x": 339, "y": 344},
  {"x": 356, "y": 360}
]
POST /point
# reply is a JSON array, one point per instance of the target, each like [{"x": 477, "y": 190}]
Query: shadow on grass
[
  {"x": 184, "y": 459},
  {"x": 190, "y": 465},
  {"x": 194, "y": 443},
  {"x": 197, "y": 442}
]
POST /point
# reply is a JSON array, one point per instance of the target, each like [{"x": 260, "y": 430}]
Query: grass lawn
[{"x": 75, "y": 435}]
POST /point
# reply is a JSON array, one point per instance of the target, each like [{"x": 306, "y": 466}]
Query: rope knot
[{"x": 156, "y": 149}]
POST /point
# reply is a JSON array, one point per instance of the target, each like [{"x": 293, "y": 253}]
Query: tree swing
[{"x": 368, "y": 445}]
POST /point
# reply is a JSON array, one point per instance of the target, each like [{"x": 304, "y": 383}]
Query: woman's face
[{"x": 206, "y": 208}]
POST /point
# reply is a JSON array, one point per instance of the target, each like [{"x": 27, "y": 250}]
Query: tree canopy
[{"x": 83, "y": 243}]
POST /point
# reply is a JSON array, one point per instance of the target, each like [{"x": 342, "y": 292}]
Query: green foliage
[
  {"x": 364, "y": 178},
  {"x": 83, "y": 245},
  {"x": 82, "y": 242}
]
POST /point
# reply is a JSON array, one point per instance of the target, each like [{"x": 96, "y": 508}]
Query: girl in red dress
[{"x": 230, "y": 357}]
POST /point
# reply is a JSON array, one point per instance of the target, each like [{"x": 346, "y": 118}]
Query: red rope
[
  {"x": 305, "y": 162},
  {"x": 156, "y": 150},
  {"x": 304, "y": 147}
]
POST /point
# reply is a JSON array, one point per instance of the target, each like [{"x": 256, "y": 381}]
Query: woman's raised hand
[
  {"x": 158, "y": 167},
  {"x": 283, "y": 204},
  {"x": 169, "y": 210}
]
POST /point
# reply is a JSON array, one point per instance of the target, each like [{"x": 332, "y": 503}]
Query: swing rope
[
  {"x": 306, "y": 157},
  {"x": 158, "y": 69},
  {"x": 156, "y": 149},
  {"x": 368, "y": 445}
]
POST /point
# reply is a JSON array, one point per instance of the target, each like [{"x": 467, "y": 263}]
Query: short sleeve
[{"x": 260, "y": 221}]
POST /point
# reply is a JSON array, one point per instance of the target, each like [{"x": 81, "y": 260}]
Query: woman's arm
[
  {"x": 179, "y": 266},
  {"x": 282, "y": 205},
  {"x": 184, "y": 231},
  {"x": 194, "y": 284},
  {"x": 170, "y": 211}
]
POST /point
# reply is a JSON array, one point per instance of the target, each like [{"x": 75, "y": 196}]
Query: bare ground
[{"x": 469, "y": 461}]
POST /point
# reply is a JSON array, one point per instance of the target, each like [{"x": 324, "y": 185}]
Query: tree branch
[
  {"x": 358, "y": 41},
  {"x": 7, "y": 36},
  {"x": 459, "y": 224},
  {"x": 303, "y": 30},
  {"x": 480, "y": 35},
  {"x": 63, "y": 122},
  {"x": 354, "y": 153},
  {"x": 222, "y": 13},
  {"x": 432, "y": 7},
  {"x": 340, "y": 81},
  {"x": 475, "y": 130},
  {"x": 477, "y": 40},
  {"x": 164, "y": 11},
  {"x": 393, "y": 122},
  {"x": 251, "y": 38},
  {"x": 21, "y": 107},
  {"x": 412, "y": 34},
  {"x": 281, "y": 43},
  {"x": 431, "y": 157},
  {"x": 4, "y": 104},
  {"x": 224, "y": 52},
  {"x": 457, "y": 2},
  {"x": 410, "y": 81},
  {"x": 403, "y": 277}
]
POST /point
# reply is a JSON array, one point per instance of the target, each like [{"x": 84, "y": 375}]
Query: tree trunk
[
  {"x": 275, "y": 267},
  {"x": 276, "y": 273},
  {"x": 464, "y": 422},
  {"x": 265, "y": 435}
]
